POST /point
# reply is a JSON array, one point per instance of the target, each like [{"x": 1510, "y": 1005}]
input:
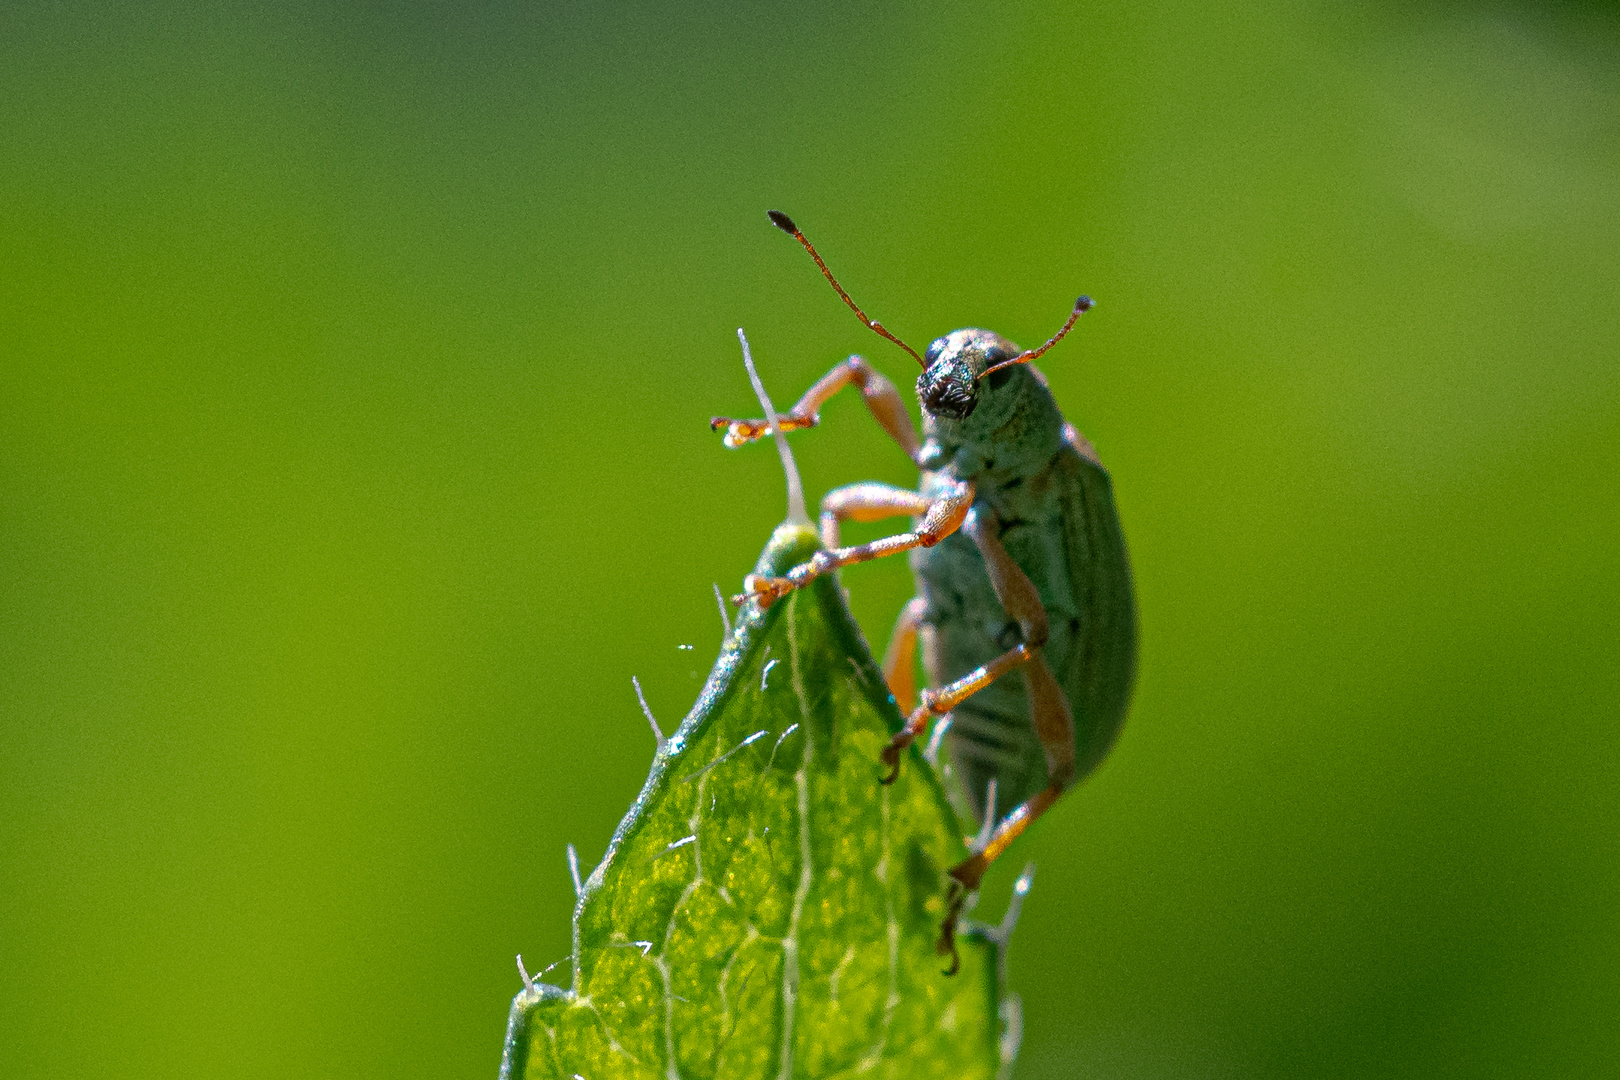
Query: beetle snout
[{"x": 947, "y": 396}]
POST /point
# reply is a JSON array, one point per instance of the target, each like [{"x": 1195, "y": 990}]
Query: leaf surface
[{"x": 768, "y": 909}]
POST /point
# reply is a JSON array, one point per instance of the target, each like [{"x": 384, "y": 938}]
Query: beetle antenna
[
  {"x": 785, "y": 223},
  {"x": 1081, "y": 306}
]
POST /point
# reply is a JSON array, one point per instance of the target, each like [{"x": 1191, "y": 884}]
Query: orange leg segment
[
  {"x": 881, "y": 398},
  {"x": 1049, "y": 714},
  {"x": 936, "y": 703},
  {"x": 944, "y": 516},
  {"x": 900, "y": 660},
  {"x": 866, "y": 502}
]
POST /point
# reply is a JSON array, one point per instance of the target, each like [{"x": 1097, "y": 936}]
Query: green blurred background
[{"x": 355, "y": 363}]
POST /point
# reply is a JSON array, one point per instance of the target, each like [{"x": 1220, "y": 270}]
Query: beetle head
[
  {"x": 950, "y": 385},
  {"x": 961, "y": 366}
]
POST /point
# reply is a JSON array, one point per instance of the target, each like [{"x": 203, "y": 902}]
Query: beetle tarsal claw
[
  {"x": 891, "y": 761},
  {"x": 891, "y": 755},
  {"x": 739, "y": 432},
  {"x": 743, "y": 432},
  {"x": 764, "y": 589}
]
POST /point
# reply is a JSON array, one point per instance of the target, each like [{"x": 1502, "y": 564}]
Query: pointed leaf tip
[{"x": 730, "y": 928}]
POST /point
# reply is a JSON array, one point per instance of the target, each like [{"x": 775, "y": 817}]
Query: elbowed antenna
[
  {"x": 785, "y": 223},
  {"x": 1081, "y": 306}
]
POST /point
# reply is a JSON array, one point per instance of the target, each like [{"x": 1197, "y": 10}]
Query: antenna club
[
  {"x": 783, "y": 222},
  {"x": 1084, "y": 303}
]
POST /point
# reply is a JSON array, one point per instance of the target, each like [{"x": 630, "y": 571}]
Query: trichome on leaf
[{"x": 767, "y": 909}]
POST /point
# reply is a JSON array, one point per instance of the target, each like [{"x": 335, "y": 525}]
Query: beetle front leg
[
  {"x": 882, "y": 399},
  {"x": 874, "y": 502},
  {"x": 943, "y": 516},
  {"x": 867, "y": 502}
]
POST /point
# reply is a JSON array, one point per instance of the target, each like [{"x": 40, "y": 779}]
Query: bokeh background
[{"x": 355, "y": 363}]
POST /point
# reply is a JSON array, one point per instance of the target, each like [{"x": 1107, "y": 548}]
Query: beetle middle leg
[
  {"x": 1049, "y": 713},
  {"x": 1021, "y": 601}
]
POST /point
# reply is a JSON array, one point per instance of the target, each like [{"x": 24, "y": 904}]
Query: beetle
[{"x": 1020, "y": 565}]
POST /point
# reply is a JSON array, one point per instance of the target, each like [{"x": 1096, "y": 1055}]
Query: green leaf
[{"x": 767, "y": 908}]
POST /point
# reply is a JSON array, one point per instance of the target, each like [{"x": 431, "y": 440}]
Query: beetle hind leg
[
  {"x": 966, "y": 875},
  {"x": 1054, "y": 726}
]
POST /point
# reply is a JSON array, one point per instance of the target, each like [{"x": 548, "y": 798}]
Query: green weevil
[{"x": 1020, "y": 565}]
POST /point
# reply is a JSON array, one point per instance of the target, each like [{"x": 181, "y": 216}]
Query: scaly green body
[{"x": 1055, "y": 505}]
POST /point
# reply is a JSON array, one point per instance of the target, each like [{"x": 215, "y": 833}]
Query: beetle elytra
[{"x": 1020, "y": 566}]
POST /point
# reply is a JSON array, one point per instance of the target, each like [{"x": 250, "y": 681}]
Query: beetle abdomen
[
  {"x": 1062, "y": 530},
  {"x": 1098, "y": 666}
]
